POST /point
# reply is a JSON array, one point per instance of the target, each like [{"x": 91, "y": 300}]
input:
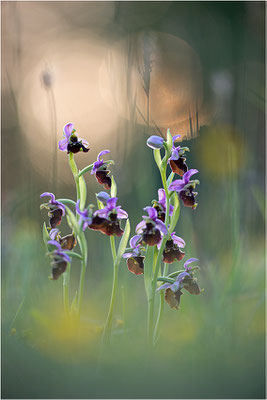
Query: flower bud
[
  {"x": 155, "y": 142},
  {"x": 103, "y": 196}
]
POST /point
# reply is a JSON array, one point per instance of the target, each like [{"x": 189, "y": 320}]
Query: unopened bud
[{"x": 155, "y": 142}]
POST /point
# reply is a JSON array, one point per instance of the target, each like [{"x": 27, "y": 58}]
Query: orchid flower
[{"x": 71, "y": 142}]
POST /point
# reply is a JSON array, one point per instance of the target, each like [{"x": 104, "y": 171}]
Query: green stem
[
  {"x": 75, "y": 172},
  {"x": 124, "y": 309},
  {"x": 164, "y": 182},
  {"x": 165, "y": 280},
  {"x": 151, "y": 301},
  {"x": 66, "y": 282},
  {"x": 150, "y": 320},
  {"x": 81, "y": 285},
  {"x": 161, "y": 307},
  {"x": 67, "y": 202},
  {"x": 113, "y": 248},
  {"x": 108, "y": 324},
  {"x": 81, "y": 236}
]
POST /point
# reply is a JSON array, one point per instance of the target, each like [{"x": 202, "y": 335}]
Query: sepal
[{"x": 113, "y": 190}]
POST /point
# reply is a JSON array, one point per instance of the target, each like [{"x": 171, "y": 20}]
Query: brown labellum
[
  {"x": 68, "y": 242},
  {"x": 191, "y": 285},
  {"x": 151, "y": 235},
  {"x": 188, "y": 198},
  {"x": 179, "y": 166},
  {"x": 55, "y": 217},
  {"x": 103, "y": 178},
  {"x": 172, "y": 252},
  {"x": 173, "y": 298},
  {"x": 136, "y": 265},
  {"x": 58, "y": 268}
]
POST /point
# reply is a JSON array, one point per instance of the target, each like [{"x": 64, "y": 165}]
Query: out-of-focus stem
[
  {"x": 108, "y": 324},
  {"x": 161, "y": 307},
  {"x": 54, "y": 125},
  {"x": 66, "y": 282},
  {"x": 81, "y": 285}
]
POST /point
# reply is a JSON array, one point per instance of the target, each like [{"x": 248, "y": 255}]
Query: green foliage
[{"x": 123, "y": 241}]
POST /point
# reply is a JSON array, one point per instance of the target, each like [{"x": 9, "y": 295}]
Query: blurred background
[{"x": 121, "y": 71}]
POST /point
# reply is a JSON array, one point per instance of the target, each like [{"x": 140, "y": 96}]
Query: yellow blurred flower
[
  {"x": 63, "y": 337},
  {"x": 221, "y": 151}
]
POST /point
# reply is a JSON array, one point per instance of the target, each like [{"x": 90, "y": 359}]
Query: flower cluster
[
  {"x": 154, "y": 242},
  {"x": 150, "y": 231},
  {"x": 156, "y": 226},
  {"x": 184, "y": 187}
]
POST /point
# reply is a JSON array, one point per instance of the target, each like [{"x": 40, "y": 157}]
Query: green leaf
[
  {"x": 46, "y": 236},
  {"x": 83, "y": 245},
  {"x": 176, "y": 213},
  {"x": 169, "y": 141},
  {"x": 100, "y": 205},
  {"x": 258, "y": 195},
  {"x": 123, "y": 241},
  {"x": 157, "y": 157},
  {"x": 170, "y": 178},
  {"x": 83, "y": 193},
  {"x": 72, "y": 221},
  {"x": 148, "y": 270},
  {"x": 113, "y": 190}
]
